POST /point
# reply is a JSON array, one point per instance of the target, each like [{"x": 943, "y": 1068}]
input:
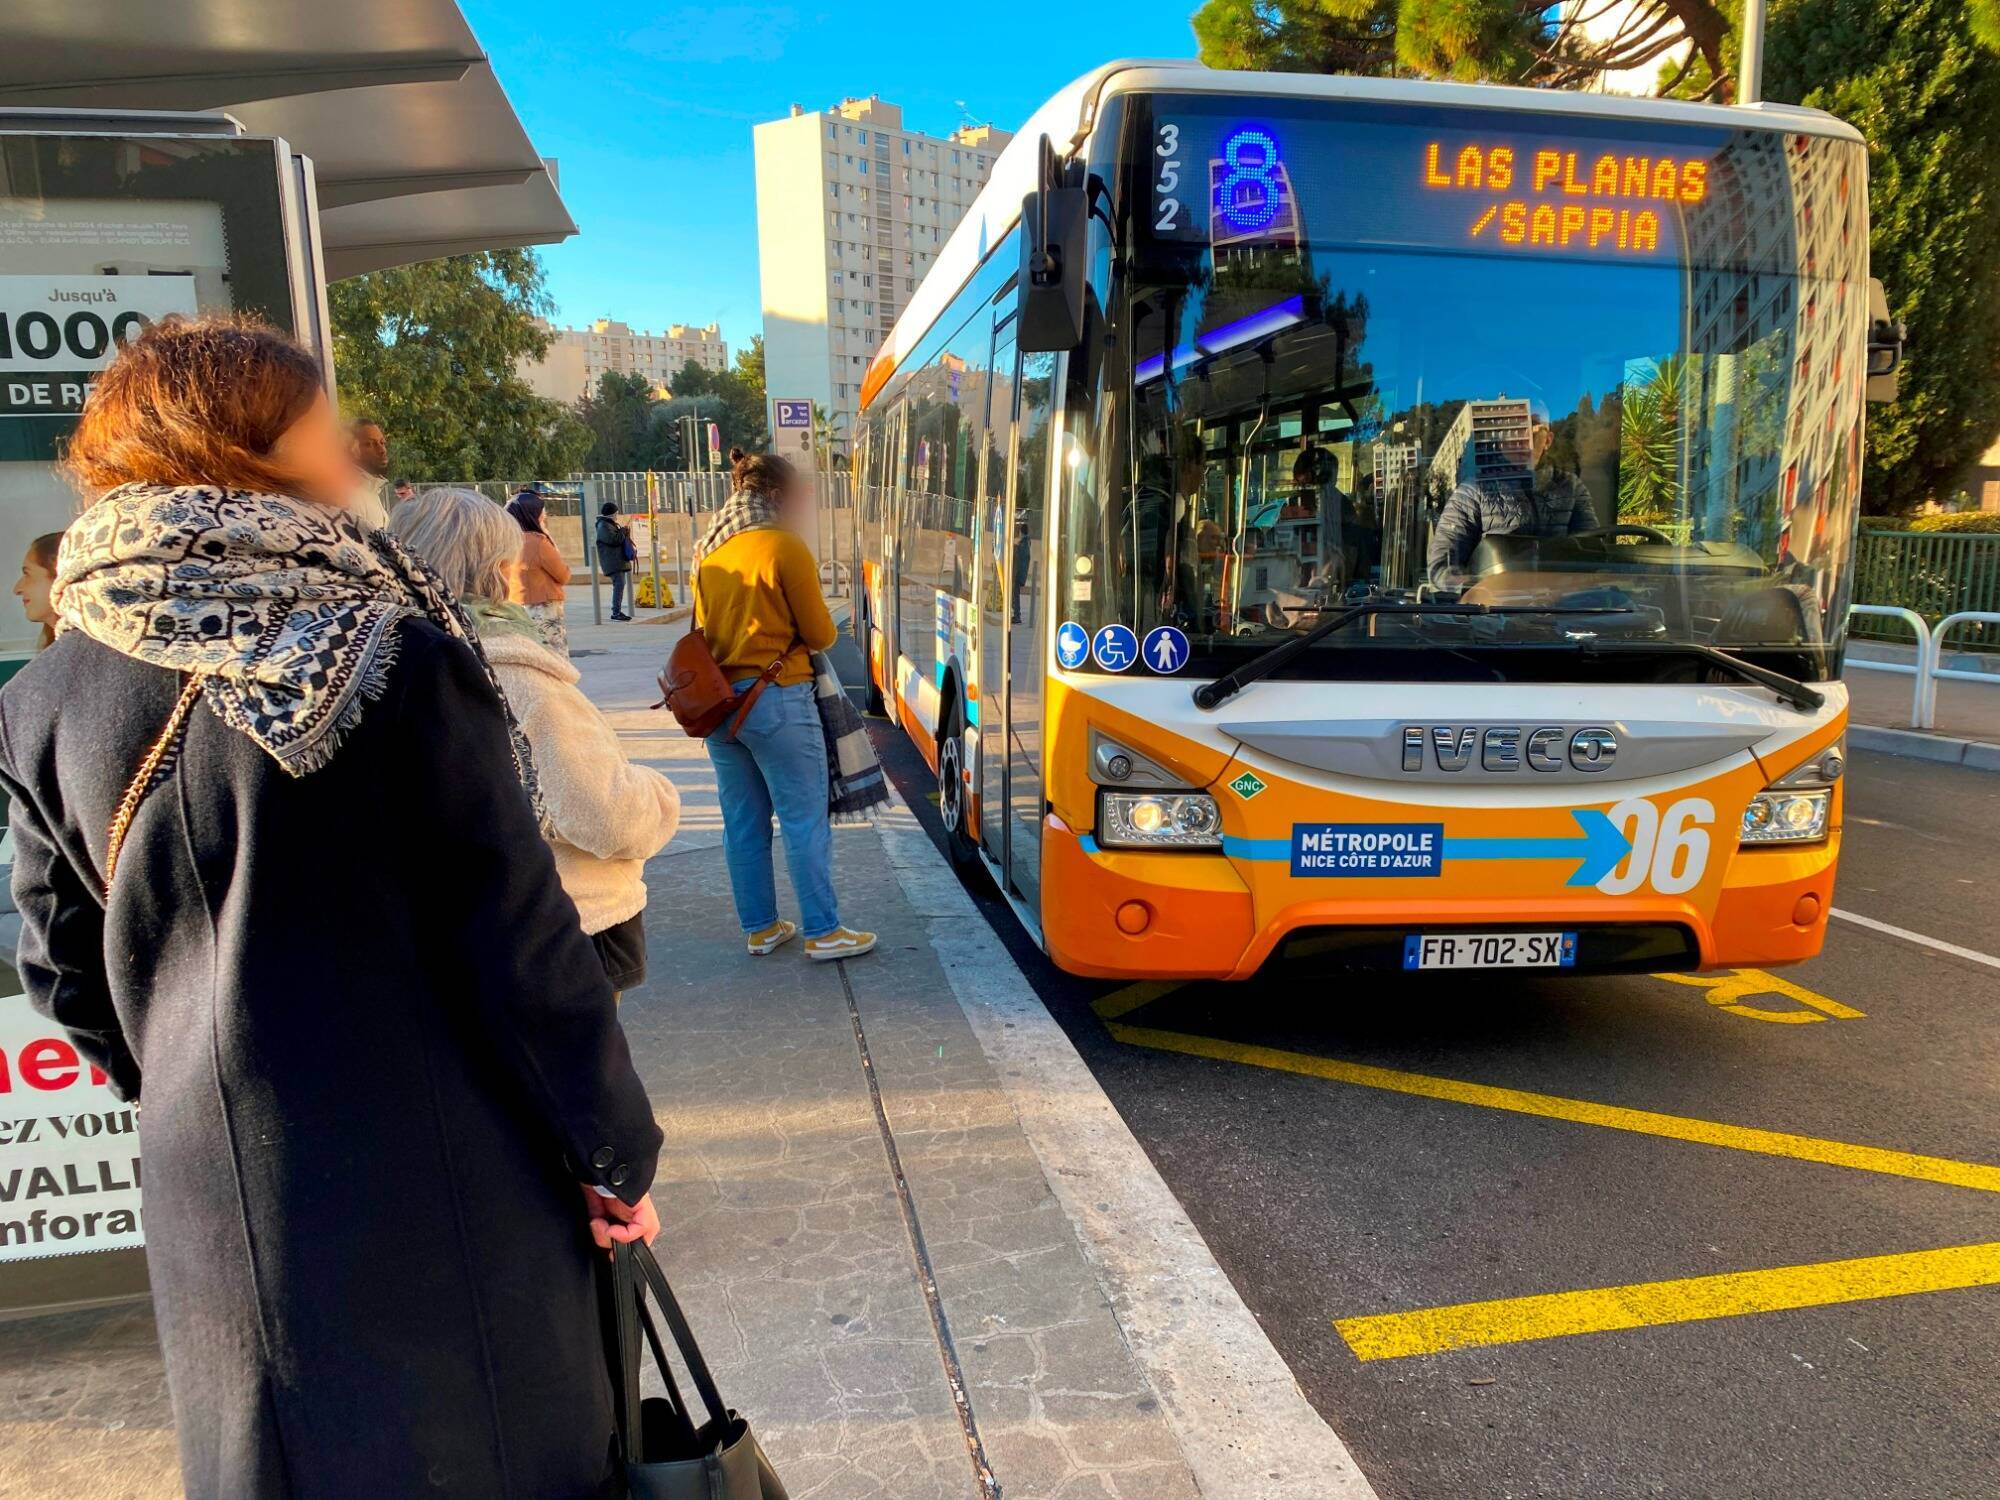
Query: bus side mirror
[
  {"x": 1055, "y": 231},
  {"x": 1887, "y": 339}
]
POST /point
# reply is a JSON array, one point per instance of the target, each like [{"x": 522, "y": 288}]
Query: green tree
[
  {"x": 1510, "y": 41},
  {"x": 829, "y": 432},
  {"x": 1920, "y": 80},
  {"x": 1649, "y": 446},
  {"x": 432, "y": 352},
  {"x": 694, "y": 380},
  {"x": 618, "y": 415},
  {"x": 750, "y": 362}
]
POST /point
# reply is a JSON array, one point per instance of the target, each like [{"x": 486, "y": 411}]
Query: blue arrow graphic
[{"x": 1600, "y": 849}]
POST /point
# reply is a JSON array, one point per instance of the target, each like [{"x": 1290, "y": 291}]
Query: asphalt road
[{"x": 1619, "y": 1133}]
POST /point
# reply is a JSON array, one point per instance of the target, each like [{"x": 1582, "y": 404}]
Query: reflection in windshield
[{"x": 1340, "y": 388}]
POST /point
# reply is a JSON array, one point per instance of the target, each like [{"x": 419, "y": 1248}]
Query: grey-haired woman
[{"x": 606, "y": 815}]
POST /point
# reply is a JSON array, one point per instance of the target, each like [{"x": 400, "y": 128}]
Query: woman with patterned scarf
[{"x": 281, "y": 877}]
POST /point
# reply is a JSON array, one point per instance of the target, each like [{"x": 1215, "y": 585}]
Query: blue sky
[{"x": 648, "y": 108}]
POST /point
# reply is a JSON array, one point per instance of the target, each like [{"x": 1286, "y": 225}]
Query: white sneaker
[
  {"x": 842, "y": 942},
  {"x": 772, "y": 938}
]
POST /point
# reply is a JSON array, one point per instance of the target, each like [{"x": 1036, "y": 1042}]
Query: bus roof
[{"x": 1068, "y": 118}]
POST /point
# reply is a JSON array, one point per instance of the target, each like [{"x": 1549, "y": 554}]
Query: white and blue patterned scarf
[{"x": 286, "y": 610}]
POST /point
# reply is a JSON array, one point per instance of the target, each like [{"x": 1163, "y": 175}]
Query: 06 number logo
[{"x": 1670, "y": 849}]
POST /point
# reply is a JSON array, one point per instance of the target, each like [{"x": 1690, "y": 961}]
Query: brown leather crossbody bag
[{"x": 695, "y": 690}]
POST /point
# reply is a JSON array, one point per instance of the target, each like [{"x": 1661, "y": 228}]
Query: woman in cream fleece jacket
[{"x": 606, "y": 816}]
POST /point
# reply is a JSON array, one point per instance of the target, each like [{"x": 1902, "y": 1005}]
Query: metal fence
[{"x": 1934, "y": 573}]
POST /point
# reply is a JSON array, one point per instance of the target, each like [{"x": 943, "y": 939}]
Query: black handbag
[{"x": 667, "y": 1455}]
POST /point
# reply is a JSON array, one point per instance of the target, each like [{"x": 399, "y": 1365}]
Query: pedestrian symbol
[
  {"x": 1072, "y": 645},
  {"x": 1115, "y": 648},
  {"x": 1166, "y": 649}
]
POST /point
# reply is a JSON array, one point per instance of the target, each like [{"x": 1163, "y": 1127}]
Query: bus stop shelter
[{"x": 416, "y": 151}]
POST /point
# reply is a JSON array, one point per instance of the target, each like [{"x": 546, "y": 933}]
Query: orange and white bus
[{"x": 1407, "y": 525}]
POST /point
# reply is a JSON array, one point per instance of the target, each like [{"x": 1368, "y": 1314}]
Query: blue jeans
[
  {"x": 777, "y": 762},
  {"x": 618, "y": 592}
]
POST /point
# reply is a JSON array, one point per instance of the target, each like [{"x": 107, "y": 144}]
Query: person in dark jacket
[
  {"x": 389, "y": 1110},
  {"x": 1540, "y": 502},
  {"x": 614, "y": 556}
]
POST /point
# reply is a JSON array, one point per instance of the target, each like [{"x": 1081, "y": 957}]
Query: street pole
[
  {"x": 1750, "y": 66},
  {"x": 653, "y": 535},
  {"x": 680, "y": 556}
]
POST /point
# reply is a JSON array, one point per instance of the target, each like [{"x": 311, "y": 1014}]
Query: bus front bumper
[{"x": 1141, "y": 915}]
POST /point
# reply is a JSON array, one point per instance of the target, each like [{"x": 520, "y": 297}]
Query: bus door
[
  {"x": 996, "y": 594},
  {"x": 1027, "y": 643},
  {"x": 896, "y": 519}
]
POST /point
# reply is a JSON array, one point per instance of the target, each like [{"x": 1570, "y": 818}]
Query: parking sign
[{"x": 795, "y": 414}]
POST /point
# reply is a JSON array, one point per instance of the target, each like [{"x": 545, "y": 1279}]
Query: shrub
[{"x": 1973, "y": 520}]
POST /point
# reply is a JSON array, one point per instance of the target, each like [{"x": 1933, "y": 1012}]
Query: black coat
[
  {"x": 611, "y": 540},
  {"x": 376, "y": 1053}
]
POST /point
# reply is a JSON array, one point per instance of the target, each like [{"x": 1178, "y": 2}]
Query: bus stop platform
[
  {"x": 1967, "y": 723},
  {"x": 919, "y": 1246}
]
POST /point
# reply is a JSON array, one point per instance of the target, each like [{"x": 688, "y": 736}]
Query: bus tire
[{"x": 954, "y": 804}]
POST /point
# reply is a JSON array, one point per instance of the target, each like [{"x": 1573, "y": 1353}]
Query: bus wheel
[{"x": 954, "y": 806}]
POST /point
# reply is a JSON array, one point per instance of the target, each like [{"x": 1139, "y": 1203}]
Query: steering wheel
[{"x": 1628, "y": 528}]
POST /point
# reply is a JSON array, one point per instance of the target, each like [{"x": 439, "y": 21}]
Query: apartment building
[
  {"x": 578, "y": 356},
  {"x": 852, "y": 209},
  {"x": 1487, "y": 440}
]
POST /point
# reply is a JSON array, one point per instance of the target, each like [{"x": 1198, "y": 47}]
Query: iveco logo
[{"x": 1508, "y": 747}]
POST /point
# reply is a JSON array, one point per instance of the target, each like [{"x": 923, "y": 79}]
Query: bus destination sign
[{"x": 1550, "y": 199}]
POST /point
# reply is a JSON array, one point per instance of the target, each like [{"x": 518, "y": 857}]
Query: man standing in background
[{"x": 371, "y": 451}]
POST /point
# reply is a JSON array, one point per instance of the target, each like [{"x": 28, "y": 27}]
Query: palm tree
[
  {"x": 1649, "y": 445},
  {"x": 829, "y": 436}
]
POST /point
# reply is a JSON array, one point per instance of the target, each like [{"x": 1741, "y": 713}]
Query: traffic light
[{"x": 676, "y": 454}]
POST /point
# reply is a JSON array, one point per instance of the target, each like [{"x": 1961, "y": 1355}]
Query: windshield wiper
[
  {"x": 1789, "y": 689},
  {"x": 1210, "y": 694}
]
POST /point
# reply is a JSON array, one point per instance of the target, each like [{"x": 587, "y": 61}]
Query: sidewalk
[
  {"x": 920, "y": 1247},
  {"x": 1967, "y": 731}
]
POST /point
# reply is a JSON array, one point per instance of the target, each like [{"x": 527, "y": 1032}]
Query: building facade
[
  {"x": 852, "y": 209},
  {"x": 577, "y": 357}
]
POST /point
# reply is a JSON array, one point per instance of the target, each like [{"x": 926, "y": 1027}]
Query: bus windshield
[{"x": 1603, "y": 375}]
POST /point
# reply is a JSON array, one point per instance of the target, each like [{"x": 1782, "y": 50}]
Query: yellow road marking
[
  {"x": 1937, "y": 1169},
  {"x": 1728, "y": 990},
  {"x": 1123, "y": 1002},
  {"x": 1513, "y": 1320}
]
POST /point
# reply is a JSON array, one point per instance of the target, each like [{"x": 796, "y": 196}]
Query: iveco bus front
[{"x": 1449, "y": 514}]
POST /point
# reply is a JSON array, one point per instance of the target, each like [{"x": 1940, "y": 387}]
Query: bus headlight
[
  {"x": 1155, "y": 820},
  {"x": 1787, "y": 817},
  {"x": 1795, "y": 808}
]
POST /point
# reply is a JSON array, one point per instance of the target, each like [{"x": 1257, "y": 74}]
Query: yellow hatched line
[
  {"x": 1938, "y": 1169},
  {"x": 1123, "y": 1002},
  {"x": 1513, "y": 1320}
]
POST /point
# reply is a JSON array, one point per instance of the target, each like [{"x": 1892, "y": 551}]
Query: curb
[
  {"x": 1914, "y": 744},
  {"x": 1245, "y": 1429}
]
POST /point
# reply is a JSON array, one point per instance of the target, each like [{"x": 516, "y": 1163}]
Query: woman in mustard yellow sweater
[{"x": 757, "y": 599}]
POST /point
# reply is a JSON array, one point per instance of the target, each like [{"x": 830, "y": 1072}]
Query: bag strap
[
  {"x": 641, "y": 1256},
  {"x": 143, "y": 778},
  {"x": 629, "y": 1318}
]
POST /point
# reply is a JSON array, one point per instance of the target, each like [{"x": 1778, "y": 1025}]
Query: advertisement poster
[
  {"x": 57, "y": 332},
  {"x": 69, "y": 1151}
]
